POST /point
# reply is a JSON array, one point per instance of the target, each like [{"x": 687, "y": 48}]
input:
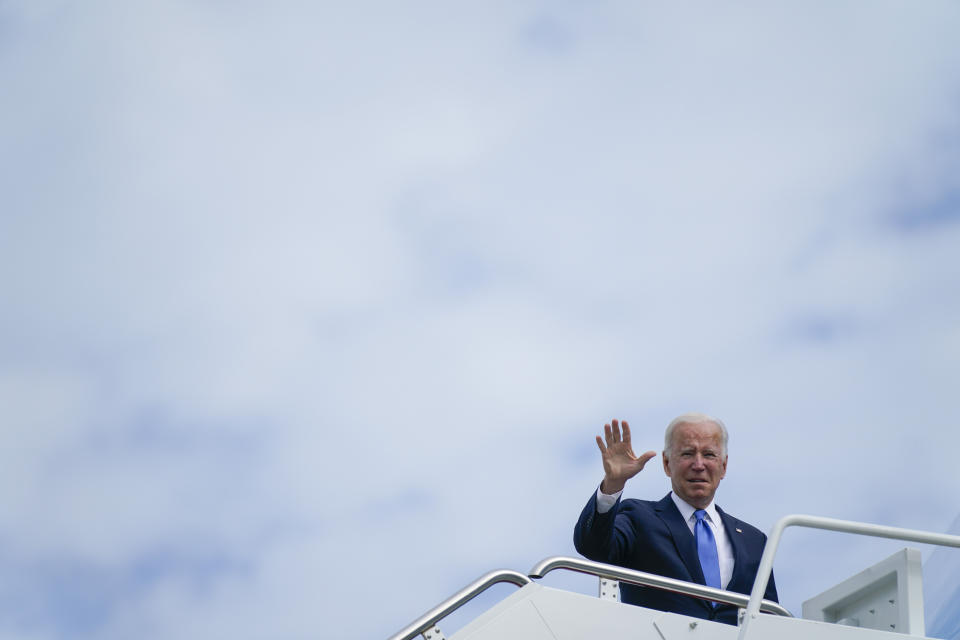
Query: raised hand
[{"x": 619, "y": 462}]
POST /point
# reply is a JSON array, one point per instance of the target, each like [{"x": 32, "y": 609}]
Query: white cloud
[{"x": 308, "y": 308}]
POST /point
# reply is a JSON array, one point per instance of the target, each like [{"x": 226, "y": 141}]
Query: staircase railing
[
  {"x": 425, "y": 623},
  {"x": 644, "y": 579},
  {"x": 830, "y": 524}
]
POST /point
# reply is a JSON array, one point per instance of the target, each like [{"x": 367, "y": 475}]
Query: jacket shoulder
[
  {"x": 639, "y": 511},
  {"x": 638, "y": 506}
]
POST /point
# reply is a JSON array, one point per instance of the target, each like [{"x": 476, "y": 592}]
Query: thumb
[{"x": 645, "y": 458}]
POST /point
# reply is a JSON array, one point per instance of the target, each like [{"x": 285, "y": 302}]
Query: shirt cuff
[{"x": 605, "y": 502}]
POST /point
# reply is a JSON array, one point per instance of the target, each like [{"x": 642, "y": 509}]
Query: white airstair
[{"x": 885, "y": 599}]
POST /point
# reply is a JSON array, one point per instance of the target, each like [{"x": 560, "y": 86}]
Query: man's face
[{"x": 695, "y": 462}]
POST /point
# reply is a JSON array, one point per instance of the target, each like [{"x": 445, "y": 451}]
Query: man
[{"x": 684, "y": 535}]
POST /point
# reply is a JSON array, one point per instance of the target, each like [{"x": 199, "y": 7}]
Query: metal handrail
[
  {"x": 651, "y": 580},
  {"x": 459, "y": 599},
  {"x": 830, "y": 524}
]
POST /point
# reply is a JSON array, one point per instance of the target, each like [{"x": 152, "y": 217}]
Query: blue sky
[{"x": 310, "y": 306}]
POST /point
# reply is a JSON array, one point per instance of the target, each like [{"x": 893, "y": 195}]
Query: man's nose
[{"x": 699, "y": 462}]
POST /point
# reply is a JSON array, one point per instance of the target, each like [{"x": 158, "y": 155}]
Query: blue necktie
[{"x": 707, "y": 550}]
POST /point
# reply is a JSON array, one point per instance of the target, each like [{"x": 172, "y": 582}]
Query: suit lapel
[{"x": 682, "y": 538}]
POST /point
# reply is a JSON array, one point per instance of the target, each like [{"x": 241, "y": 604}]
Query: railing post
[
  {"x": 609, "y": 589},
  {"x": 433, "y": 633}
]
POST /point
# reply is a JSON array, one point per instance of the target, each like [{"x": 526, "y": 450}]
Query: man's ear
[{"x": 666, "y": 464}]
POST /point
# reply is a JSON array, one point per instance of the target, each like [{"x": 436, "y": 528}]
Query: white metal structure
[
  {"x": 887, "y": 596},
  {"x": 536, "y": 612}
]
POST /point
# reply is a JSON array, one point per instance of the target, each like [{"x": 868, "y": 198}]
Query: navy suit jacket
[{"x": 653, "y": 537}]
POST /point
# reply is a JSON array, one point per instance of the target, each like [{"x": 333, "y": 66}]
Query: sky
[{"x": 311, "y": 311}]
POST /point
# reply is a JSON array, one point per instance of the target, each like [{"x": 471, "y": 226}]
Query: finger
[
  {"x": 616, "y": 430},
  {"x": 608, "y": 434},
  {"x": 645, "y": 458},
  {"x": 603, "y": 449},
  {"x": 626, "y": 432}
]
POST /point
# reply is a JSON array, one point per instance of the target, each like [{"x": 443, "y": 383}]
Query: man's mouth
[{"x": 698, "y": 480}]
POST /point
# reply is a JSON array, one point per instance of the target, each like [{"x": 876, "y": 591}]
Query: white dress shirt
[{"x": 605, "y": 502}]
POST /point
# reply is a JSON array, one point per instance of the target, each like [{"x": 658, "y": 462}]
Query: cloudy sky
[{"x": 310, "y": 311}]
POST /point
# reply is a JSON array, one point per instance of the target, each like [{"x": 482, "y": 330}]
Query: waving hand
[{"x": 619, "y": 462}]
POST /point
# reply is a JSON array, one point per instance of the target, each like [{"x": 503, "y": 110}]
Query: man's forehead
[{"x": 688, "y": 432}]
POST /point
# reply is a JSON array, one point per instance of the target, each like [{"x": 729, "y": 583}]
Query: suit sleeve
[{"x": 603, "y": 537}]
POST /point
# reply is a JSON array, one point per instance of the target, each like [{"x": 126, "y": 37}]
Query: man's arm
[{"x": 596, "y": 535}]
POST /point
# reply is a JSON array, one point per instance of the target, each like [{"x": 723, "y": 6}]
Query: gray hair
[{"x": 694, "y": 418}]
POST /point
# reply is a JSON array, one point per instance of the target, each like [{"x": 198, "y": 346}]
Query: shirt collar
[{"x": 687, "y": 510}]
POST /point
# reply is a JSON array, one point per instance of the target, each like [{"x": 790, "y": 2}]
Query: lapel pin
[{"x": 739, "y": 530}]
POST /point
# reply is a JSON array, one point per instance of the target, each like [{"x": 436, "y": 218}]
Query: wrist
[{"x": 610, "y": 487}]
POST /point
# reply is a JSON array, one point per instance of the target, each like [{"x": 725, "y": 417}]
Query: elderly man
[{"x": 685, "y": 535}]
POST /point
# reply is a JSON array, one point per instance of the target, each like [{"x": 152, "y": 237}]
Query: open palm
[{"x": 620, "y": 463}]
